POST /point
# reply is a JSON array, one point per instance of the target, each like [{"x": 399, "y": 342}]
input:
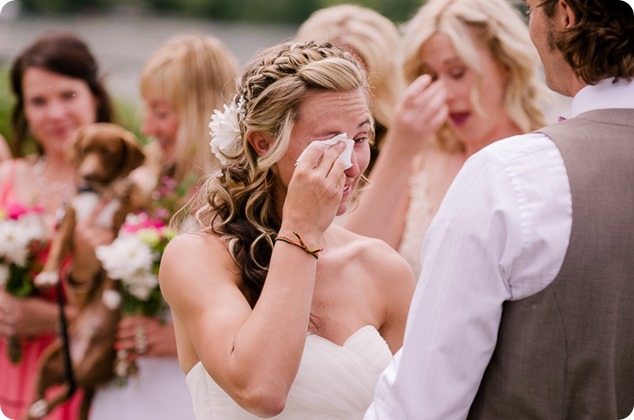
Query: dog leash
[{"x": 63, "y": 324}]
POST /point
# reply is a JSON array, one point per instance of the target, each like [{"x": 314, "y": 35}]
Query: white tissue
[{"x": 345, "y": 156}]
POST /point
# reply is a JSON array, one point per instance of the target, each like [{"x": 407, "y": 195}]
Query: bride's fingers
[
  {"x": 330, "y": 158},
  {"x": 336, "y": 171},
  {"x": 312, "y": 157}
]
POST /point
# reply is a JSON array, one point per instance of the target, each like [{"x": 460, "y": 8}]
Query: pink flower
[
  {"x": 136, "y": 222},
  {"x": 15, "y": 210}
]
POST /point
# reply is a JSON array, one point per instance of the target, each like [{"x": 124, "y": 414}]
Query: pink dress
[{"x": 17, "y": 380}]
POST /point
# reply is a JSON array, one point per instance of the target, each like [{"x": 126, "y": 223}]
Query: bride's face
[{"x": 323, "y": 115}]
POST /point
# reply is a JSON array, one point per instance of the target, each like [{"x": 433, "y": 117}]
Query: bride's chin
[{"x": 343, "y": 208}]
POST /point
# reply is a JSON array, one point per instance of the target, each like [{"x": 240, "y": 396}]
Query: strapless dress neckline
[{"x": 334, "y": 382}]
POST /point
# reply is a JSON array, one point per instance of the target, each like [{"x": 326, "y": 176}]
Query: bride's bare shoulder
[
  {"x": 195, "y": 244},
  {"x": 375, "y": 253}
]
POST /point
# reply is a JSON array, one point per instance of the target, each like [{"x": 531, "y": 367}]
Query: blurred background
[{"x": 123, "y": 33}]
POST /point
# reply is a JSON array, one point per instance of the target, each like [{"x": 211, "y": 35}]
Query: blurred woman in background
[
  {"x": 181, "y": 84},
  {"x": 58, "y": 89},
  {"x": 474, "y": 78}
]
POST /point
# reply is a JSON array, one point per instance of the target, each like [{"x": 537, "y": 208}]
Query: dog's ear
[
  {"x": 72, "y": 149},
  {"x": 134, "y": 156}
]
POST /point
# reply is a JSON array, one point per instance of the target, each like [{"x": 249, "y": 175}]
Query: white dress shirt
[{"x": 500, "y": 234}]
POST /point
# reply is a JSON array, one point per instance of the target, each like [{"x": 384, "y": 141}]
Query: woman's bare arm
[{"x": 254, "y": 354}]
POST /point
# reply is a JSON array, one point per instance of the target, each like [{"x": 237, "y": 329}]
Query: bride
[{"x": 278, "y": 311}]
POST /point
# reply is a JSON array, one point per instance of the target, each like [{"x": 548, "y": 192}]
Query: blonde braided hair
[{"x": 237, "y": 203}]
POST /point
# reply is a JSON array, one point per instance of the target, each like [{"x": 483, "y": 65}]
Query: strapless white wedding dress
[{"x": 333, "y": 382}]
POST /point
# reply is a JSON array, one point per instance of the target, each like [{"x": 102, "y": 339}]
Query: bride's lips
[
  {"x": 459, "y": 118},
  {"x": 346, "y": 188}
]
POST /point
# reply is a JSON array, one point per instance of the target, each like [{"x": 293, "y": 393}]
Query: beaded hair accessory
[{"x": 226, "y": 137}]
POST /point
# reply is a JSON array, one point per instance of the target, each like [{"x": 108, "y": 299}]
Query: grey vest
[{"x": 568, "y": 351}]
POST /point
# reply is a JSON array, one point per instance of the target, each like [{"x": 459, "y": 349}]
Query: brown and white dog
[{"x": 104, "y": 154}]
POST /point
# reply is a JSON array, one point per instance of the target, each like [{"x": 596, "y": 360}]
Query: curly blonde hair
[
  {"x": 501, "y": 29},
  {"x": 238, "y": 203}
]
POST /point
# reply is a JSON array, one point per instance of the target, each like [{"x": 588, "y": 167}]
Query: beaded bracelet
[{"x": 299, "y": 244}]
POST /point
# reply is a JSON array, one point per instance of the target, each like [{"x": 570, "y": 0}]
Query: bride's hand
[{"x": 315, "y": 191}]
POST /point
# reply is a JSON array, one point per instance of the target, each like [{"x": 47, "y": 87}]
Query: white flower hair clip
[{"x": 226, "y": 137}]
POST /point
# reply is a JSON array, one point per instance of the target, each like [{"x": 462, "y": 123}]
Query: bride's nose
[{"x": 353, "y": 171}]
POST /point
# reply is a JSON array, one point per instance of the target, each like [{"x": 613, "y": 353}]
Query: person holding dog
[
  {"x": 58, "y": 89},
  {"x": 180, "y": 84},
  {"x": 277, "y": 310},
  {"x": 525, "y": 305}
]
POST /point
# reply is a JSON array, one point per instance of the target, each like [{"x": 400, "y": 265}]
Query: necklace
[{"x": 48, "y": 188}]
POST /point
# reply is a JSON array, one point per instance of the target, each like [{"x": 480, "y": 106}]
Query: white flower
[
  {"x": 124, "y": 258},
  {"x": 14, "y": 242},
  {"x": 142, "y": 284},
  {"x": 130, "y": 260},
  {"x": 32, "y": 227},
  {"x": 226, "y": 138},
  {"x": 17, "y": 235}
]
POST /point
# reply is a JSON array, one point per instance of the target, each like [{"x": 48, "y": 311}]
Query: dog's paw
[
  {"x": 46, "y": 279},
  {"x": 38, "y": 409}
]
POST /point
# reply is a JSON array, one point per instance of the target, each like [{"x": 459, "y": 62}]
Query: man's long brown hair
[{"x": 601, "y": 42}]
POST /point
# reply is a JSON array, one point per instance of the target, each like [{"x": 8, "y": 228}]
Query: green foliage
[
  {"x": 65, "y": 6},
  {"x": 128, "y": 116},
  {"x": 6, "y": 104}
]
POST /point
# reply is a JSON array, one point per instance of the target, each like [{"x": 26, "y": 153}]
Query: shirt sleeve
[{"x": 485, "y": 246}]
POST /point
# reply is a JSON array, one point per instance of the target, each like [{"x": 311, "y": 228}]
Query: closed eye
[{"x": 69, "y": 95}]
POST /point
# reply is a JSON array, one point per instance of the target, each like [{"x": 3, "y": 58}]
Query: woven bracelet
[{"x": 299, "y": 244}]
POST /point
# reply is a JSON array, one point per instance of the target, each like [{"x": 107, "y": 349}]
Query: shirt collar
[{"x": 603, "y": 95}]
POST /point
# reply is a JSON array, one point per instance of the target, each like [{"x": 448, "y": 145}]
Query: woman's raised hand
[
  {"x": 315, "y": 191},
  {"x": 418, "y": 115}
]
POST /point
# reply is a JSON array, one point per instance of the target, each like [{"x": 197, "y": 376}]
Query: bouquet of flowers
[
  {"x": 169, "y": 197},
  {"x": 23, "y": 242},
  {"x": 133, "y": 259}
]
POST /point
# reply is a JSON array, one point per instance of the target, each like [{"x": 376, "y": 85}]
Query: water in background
[{"x": 123, "y": 41}]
